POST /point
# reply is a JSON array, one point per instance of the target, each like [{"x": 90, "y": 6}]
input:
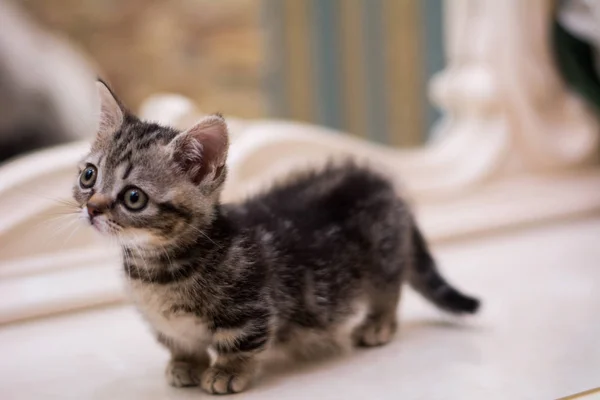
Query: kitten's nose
[{"x": 97, "y": 205}]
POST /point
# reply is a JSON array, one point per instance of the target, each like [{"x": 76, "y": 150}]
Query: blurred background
[{"x": 360, "y": 66}]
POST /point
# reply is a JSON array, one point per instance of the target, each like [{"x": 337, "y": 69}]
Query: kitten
[{"x": 314, "y": 265}]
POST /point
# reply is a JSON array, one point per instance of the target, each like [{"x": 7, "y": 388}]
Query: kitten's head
[{"x": 150, "y": 185}]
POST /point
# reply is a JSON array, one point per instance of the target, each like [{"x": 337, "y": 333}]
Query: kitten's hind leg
[{"x": 381, "y": 323}]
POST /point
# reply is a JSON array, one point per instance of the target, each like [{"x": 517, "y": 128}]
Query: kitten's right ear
[
  {"x": 111, "y": 111},
  {"x": 201, "y": 151}
]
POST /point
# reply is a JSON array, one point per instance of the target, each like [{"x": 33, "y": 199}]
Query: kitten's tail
[{"x": 425, "y": 278}]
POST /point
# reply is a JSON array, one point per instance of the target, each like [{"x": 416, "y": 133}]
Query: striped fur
[{"x": 312, "y": 266}]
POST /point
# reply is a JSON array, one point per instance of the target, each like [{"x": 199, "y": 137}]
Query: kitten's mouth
[
  {"x": 94, "y": 221},
  {"x": 104, "y": 227},
  {"x": 90, "y": 219},
  {"x": 96, "y": 225}
]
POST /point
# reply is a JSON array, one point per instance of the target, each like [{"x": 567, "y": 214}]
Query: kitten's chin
[
  {"x": 139, "y": 238},
  {"x": 101, "y": 226}
]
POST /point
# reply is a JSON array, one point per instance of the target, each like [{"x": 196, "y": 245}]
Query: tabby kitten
[{"x": 312, "y": 266}]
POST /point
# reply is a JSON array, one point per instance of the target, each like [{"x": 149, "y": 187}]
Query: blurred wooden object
[{"x": 211, "y": 51}]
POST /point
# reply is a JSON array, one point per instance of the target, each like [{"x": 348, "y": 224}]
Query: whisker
[
  {"x": 201, "y": 233},
  {"x": 137, "y": 249},
  {"x": 172, "y": 270},
  {"x": 126, "y": 257},
  {"x": 77, "y": 227},
  {"x": 59, "y": 230},
  {"x": 56, "y": 218},
  {"x": 57, "y": 200},
  {"x": 62, "y": 212}
]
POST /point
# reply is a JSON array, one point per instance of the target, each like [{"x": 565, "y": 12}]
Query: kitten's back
[
  {"x": 353, "y": 215},
  {"x": 329, "y": 194}
]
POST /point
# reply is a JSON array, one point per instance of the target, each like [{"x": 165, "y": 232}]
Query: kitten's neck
[
  {"x": 204, "y": 254},
  {"x": 197, "y": 238}
]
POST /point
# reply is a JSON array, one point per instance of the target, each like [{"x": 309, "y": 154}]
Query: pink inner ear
[{"x": 203, "y": 148}]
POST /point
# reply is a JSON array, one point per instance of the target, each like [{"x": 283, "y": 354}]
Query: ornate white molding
[{"x": 507, "y": 110}]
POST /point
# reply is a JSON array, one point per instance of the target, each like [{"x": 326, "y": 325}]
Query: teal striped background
[
  {"x": 432, "y": 31},
  {"x": 356, "y": 65}
]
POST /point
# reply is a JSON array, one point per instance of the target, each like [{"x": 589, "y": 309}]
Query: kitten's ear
[
  {"x": 201, "y": 151},
  {"x": 111, "y": 112}
]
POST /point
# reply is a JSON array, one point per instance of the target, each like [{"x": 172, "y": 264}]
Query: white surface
[{"x": 535, "y": 339}]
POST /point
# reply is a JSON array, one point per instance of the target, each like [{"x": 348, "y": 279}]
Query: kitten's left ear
[
  {"x": 201, "y": 151},
  {"x": 111, "y": 111}
]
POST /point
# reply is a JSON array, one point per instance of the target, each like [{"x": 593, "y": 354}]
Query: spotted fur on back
[{"x": 312, "y": 266}]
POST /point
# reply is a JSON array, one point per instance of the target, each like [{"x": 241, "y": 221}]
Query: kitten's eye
[
  {"x": 88, "y": 177},
  {"x": 134, "y": 199}
]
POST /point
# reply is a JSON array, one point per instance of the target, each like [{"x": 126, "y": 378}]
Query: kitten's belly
[{"x": 156, "y": 302}]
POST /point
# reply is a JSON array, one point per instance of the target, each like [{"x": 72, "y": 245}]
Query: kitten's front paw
[
  {"x": 182, "y": 374},
  {"x": 219, "y": 381}
]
